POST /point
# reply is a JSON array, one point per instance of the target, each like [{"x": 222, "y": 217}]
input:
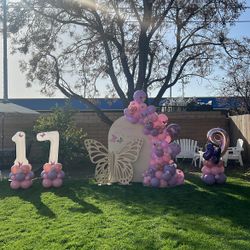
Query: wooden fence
[
  {"x": 194, "y": 125},
  {"x": 239, "y": 127}
]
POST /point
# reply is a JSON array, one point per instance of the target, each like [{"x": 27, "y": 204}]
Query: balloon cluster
[
  {"x": 52, "y": 175},
  {"x": 21, "y": 176},
  {"x": 213, "y": 167},
  {"x": 162, "y": 171}
]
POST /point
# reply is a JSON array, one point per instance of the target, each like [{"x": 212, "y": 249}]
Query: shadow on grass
[
  {"x": 33, "y": 195},
  {"x": 230, "y": 201}
]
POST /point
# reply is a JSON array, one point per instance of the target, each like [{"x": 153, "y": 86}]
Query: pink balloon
[
  {"x": 15, "y": 184},
  {"x": 206, "y": 170},
  {"x": 147, "y": 181},
  {"x": 153, "y": 162},
  {"x": 13, "y": 177},
  {"x": 163, "y": 119},
  {"x": 26, "y": 184},
  {"x": 161, "y": 136},
  {"x": 168, "y": 138},
  {"x": 157, "y": 124},
  {"x": 158, "y": 174},
  {"x": 27, "y": 177},
  {"x": 217, "y": 170},
  {"x": 57, "y": 182},
  {"x": 173, "y": 181},
  {"x": 47, "y": 183},
  {"x": 159, "y": 161},
  {"x": 163, "y": 183},
  {"x": 166, "y": 158},
  {"x": 180, "y": 177}
]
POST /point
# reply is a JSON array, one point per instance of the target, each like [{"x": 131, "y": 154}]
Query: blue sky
[{"x": 17, "y": 87}]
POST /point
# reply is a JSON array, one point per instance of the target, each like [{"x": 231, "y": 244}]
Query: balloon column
[
  {"x": 213, "y": 166},
  {"x": 162, "y": 171},
  {"x": 52, "y": 173},
  {"x": 21, "y": 175}
]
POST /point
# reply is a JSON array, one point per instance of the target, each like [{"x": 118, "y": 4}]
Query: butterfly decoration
[
  {"x": 116, "y": 139},
  {"x": 113, "y": 166},
  {"x": 113, "y": 139}
]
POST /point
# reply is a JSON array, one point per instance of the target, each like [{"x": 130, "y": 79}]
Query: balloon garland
[
  {"x": 213, "y": 166},
  {"x": 162, "y": 171}
]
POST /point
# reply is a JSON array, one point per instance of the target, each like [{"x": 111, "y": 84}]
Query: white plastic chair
[
  {"x": 189, "y": 150},
  {"x": 234, "y": 153}
]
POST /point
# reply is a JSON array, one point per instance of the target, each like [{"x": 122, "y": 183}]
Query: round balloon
[
  {"x": 47, "y": 167},
  {"x": 209, "y": 179},
  {"x": 139, "y": 96},
  {"x": 57, "y": 182},
  {"x": 15, "y": 184},
  {"x": 47, "y": 183}
]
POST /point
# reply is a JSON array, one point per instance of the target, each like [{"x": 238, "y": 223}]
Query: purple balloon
[
  {"x": 139, "y": 96},
  {"x": 144, "y": 113},
  {"x": 155, "y": 182},
  {"x": 167, "y": 175},
  {"x": 154, "y": 132},
  {"x": 31, "y": 174},
  {"x": 149, "y": 125},
  {"x": 151, "y": 109},
  {"x": 20, "y": 177},
  {"x": 159, "y": 152},
  {"x": 220, "y": 178},
  {"x": 175, "y": 149},
  {"x": 209, "y": 179},
  {"x": 132, "y": 119},
  {"x": 52, "y": 174},
  {"x": 170, "y": 168},
  {"x": 125, "y": 112},
  {"x": 61, "y": 175},
  {"x": 173, "y": 130},
  {"x": 151, "y": 172},
  {"x": 173, "y": 181}
]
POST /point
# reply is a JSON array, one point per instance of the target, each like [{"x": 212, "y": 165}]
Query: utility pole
[{"x": 5, "y": 56}]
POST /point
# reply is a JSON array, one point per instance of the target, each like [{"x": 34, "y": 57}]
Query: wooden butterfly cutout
[{"x": 113, "y": 166}]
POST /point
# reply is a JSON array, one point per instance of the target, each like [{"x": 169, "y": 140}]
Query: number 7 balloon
[{"x": 52, "y": 173}]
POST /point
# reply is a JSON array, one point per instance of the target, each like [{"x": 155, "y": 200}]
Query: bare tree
[
  {"x": 145, "y": 44},
  {"x": 237, "y": 80}
]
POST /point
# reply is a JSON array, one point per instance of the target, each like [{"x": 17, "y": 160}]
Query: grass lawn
[{"x": 82, "y": 215}]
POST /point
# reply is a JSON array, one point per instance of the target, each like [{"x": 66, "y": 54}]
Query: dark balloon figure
[
  {"x": 212, "y": 153},
  {"x": 213, "y": 166}
]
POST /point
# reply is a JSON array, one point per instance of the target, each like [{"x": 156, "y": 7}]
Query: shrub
[{"x": 71, "y": 149}]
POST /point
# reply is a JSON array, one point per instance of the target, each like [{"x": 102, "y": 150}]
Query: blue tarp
[{"x": 221, "y": 103}]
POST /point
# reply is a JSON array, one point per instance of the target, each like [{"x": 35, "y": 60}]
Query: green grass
[{"x": 82, "y": 215}]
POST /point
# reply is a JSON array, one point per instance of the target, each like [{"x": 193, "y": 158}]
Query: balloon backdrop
[
  {"x": 213, "y": 166},
  {"x": 162, "y": 171},
  {"x": 52, "y": 175},
  {"x": 21, "y": 176}
]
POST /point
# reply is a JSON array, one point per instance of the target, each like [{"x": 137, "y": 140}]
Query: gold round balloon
[{"x": 220, "y": 138}]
